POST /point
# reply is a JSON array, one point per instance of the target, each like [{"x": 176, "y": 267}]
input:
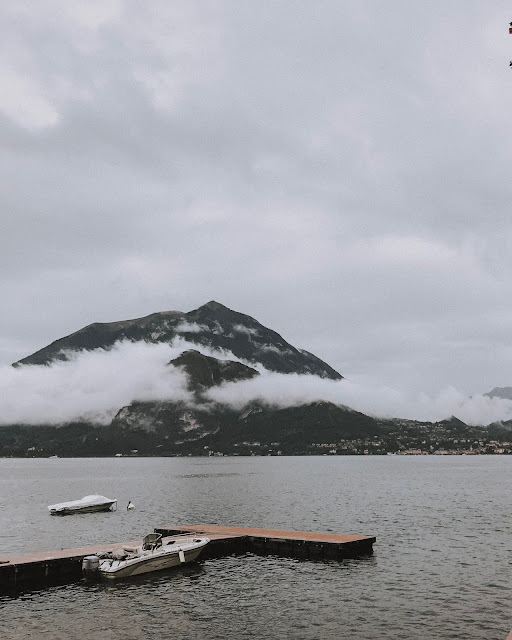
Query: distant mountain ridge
[
  {"x": 500, "y": 392},
  {"x": 212, "y": 325}
]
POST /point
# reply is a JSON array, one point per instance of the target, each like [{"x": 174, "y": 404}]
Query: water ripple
[{"x": 441, "y": 569}]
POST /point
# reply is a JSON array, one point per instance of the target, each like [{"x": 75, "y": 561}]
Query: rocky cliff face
[
  {"x": 203, "y": 425},
  {"x": 177, "y": 429},
  {"x": 213, "y": 325}
]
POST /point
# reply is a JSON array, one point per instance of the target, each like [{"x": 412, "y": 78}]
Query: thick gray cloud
[{"x": 340, "y": 171}]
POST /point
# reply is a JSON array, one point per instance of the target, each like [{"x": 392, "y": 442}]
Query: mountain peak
[
  {"x": 214, "y": 306},
  {"x": 212, "y": 326}
]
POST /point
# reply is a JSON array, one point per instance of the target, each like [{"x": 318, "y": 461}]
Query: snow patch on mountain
[
  {"x": 190, "y": 327},
  {"x": 250, "y": 331}
]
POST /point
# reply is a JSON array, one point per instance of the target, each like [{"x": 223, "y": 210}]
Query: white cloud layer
[
  {"x": 92, "y": 386},
  {"x": 95, "y": 385},
  {"x": 384, "y": 402}
]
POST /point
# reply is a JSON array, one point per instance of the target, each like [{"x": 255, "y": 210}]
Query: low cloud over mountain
[{"x": 206, "y": 358}]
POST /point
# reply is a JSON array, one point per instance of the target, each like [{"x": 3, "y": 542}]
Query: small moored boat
[
  {"x": 86, "y": 504},
  {"x": 154, "y": 554}
]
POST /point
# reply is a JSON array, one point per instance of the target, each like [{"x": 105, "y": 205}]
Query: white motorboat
[
  {"x": 154, "y": 554},
  {"x": 86, "y": 504}
]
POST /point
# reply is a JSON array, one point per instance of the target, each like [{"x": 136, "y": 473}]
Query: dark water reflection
[{"x": 441, "y": 567}]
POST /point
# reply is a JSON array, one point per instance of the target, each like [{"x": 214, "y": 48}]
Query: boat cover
[{"x": 83, "y": 502}]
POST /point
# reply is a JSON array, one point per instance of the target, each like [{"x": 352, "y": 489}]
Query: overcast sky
[{"x": 339, "y": 170}]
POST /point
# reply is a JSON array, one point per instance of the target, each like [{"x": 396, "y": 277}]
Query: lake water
[{"x": 441, "y": 566}]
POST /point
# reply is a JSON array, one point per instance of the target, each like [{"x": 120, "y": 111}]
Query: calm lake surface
[{"x": 441, "y": 566}]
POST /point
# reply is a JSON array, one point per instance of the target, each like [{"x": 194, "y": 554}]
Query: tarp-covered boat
[{"x": 86, "y": 504}]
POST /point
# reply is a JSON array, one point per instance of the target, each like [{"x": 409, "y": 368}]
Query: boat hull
[
  {"x": 66, "y": 511},
  {"x": 87, "y": 504},
  {"x": 165, "y": 557}
]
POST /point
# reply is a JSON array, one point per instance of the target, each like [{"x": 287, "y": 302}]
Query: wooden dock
[
  {"x": 60, "y": 567},
  {"x": 297, "y": 544}
]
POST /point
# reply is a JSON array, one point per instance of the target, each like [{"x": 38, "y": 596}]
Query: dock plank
[
  {"x": 45, "y": 556},
  {"x": 207, "y": 529}
]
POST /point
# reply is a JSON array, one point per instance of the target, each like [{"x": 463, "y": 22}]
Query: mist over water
[
  {"x": 94, "y": 385},
  {"x": 441, "y": 566}
]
